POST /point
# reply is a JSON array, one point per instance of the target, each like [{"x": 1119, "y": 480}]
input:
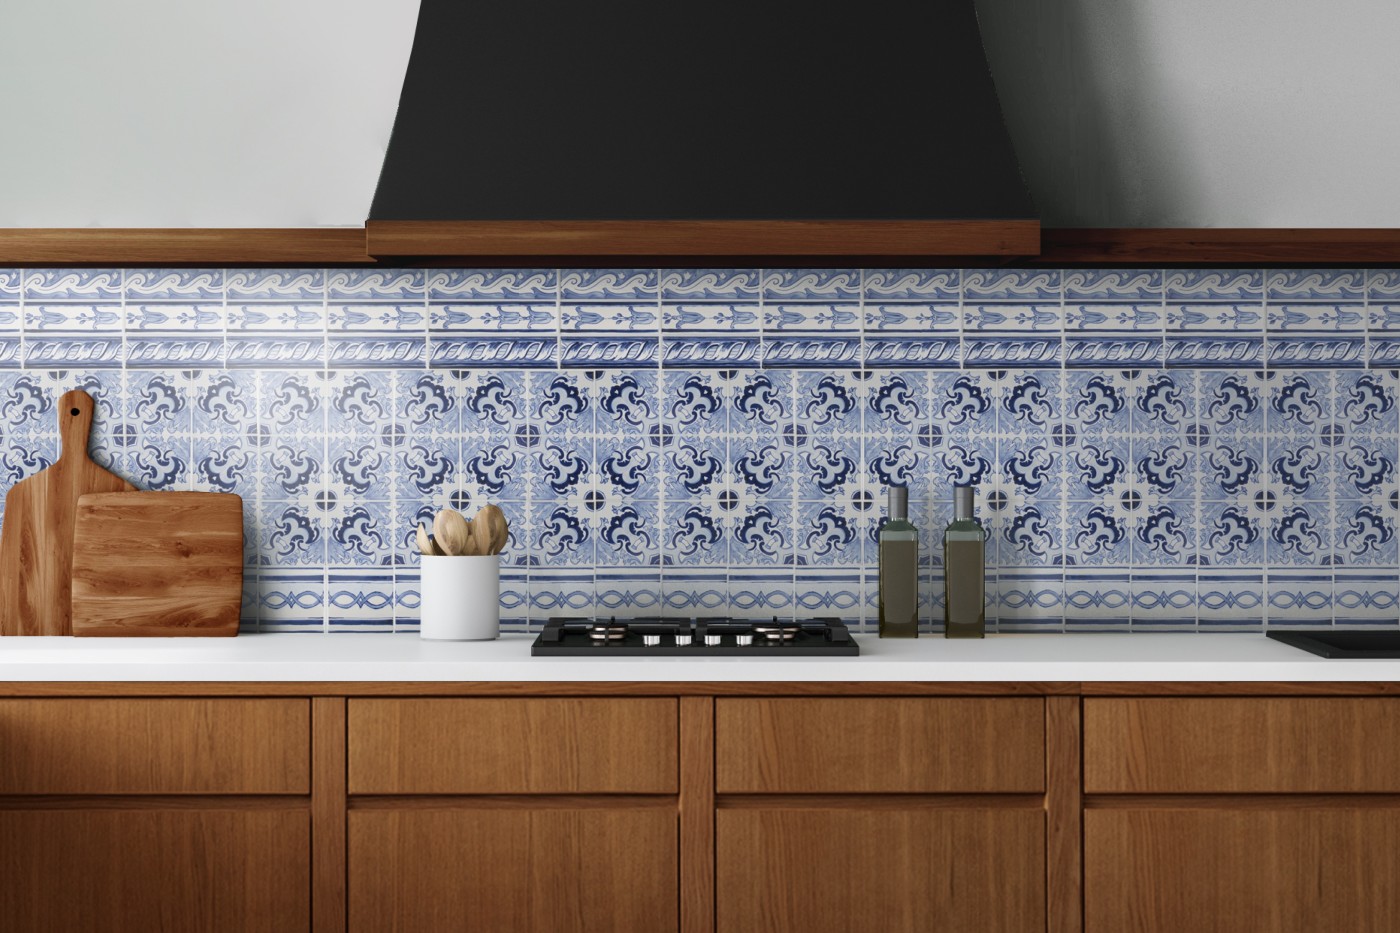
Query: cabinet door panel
[
  {"x": 134, "y": 871},
  {"x": 1223, "y": 871},
  {"x": 514, "y": 870},
  {"x": 880, "y": 745},
  {"x": 155, "y": 746},
  {"x": 1241, "y": 745},
  {"x": 513, "y": 746},
  {"x": 894, "y": 870}
]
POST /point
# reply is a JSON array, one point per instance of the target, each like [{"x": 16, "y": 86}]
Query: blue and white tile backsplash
[{"x": 1155, "y": 449}]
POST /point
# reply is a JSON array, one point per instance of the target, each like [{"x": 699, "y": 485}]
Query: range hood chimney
[{"x": 721, "y": 129}]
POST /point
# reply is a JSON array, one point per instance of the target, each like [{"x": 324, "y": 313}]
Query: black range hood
[{"x": 649, "y": 127}]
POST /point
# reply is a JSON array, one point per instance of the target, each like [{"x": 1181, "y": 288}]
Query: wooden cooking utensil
[
  {"x": 425, "y": 544},
  {"x": 481, "y": 536},
  {"x": 158, "y": 563},
  {"x": 36, "y": 547},
  {"x": 452, "y": 532},
  {"x": 499, "y": 529}
]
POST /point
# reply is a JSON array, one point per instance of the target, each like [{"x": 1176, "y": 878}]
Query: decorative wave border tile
[{"x": 1209, "y": 450}]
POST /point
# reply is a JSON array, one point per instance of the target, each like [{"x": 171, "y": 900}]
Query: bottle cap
[
  {"x": 899, "y": 503},
  {"x": 962, "y": 503}
]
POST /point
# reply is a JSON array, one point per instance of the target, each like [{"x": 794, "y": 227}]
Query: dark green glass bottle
[
  {"x": 964, "y": 571},
  {"x": 899, "y": 570}
]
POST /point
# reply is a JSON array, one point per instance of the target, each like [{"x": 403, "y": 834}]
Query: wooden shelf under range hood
[
  {"x": 912, "y": 238},
  {"x": 951, "y": 244}
]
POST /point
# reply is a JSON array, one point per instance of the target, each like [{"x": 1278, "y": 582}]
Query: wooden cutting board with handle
[
  {"x": 158, "y": 563},
  {"x": 36, "y": 541}
]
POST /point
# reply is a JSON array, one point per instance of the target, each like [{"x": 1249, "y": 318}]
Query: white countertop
[{"x": 406, "y": 657}]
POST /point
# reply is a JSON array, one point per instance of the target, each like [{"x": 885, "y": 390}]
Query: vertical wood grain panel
[
  {"x": 1242, "y": 745},
  {"x": 697, "y": 815},
  {"x": 880, "y": 745},
  {"x": 1225, "y": 871},
  {"x": 1063, "y": 825},
  {"x": 328, "y": 866}
]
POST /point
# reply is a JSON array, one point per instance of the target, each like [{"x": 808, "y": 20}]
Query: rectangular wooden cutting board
[{"x": 157, "y": 563}]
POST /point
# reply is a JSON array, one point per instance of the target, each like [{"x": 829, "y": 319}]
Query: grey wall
[{"x": 1197, "y": 113}]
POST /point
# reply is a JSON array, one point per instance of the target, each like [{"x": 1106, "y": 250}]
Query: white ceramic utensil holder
[{"x": 461, "y": 598}]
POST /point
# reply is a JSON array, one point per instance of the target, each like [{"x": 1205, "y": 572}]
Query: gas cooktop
[{"x": 694, "y": 638}]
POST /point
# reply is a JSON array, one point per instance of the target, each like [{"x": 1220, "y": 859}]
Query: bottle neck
[
  {"x": 899, "y": 504},
  {"x": 962, "y": 504}
]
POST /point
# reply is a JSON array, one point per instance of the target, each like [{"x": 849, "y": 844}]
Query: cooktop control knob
[
  {"x": 743, "y": 640},
  {"x": 682, "y": 641},
  {"x": 713, "y": 640},
  {"x": 650, "y": 640}
]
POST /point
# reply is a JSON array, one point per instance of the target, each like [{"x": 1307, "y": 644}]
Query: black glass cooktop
[{"x": 1331, "y": 644}]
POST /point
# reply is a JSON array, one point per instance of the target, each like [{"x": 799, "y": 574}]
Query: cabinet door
[
  {"x": 134, "y": 871},
  {"x": 1263, "y": 870},
  {"x": 514, "y": 870},
  {"x": 892, "y": 869}
]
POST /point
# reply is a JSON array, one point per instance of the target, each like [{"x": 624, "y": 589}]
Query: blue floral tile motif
[
  {"x": 1153, "y": 449},
  {"x": 45, "y": 285},
  {"x": 1015, "y": 285},
  {"x": 1229, "y": 599},
  {"x": 1316, "y": 285},
  {"x": 609, "y": 285},
  {"x": 489, "y": 286},
  {"x": 917, "y": 285},
  {"x": 398, "y": 285},
  {"x": 1301, "y": 597},
  {"x": 1364, "y": 598},
  {"x": 1164, "y": 599},
  {"x": 276, "y": 285},
  {"x": 192, "y": 285},
  {"x": 1137, "y": 286},
  {"x": 816, "y": 285},
  {"x": 711, "y": 285},
  {"x": 360, "y": 600},
  {"x": 1097, "y": 600}
]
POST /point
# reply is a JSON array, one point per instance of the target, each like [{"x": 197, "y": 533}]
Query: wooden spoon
[
  {"x": 481, "y": 534},
  {"x": 495, "y": 520},
  {"x": 452, "y": 532},
  {"x": 425, "y": 544}
]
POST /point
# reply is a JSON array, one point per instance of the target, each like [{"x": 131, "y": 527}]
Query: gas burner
[
  {"x": 777, "y": 631},
  {"x": 694, "y": 638}
]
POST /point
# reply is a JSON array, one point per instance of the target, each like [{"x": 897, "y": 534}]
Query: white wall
[
  {"x": 1195, "y": 113},
  {"x": 201, "y": 113},
  {"x": 276, "y": 112}
]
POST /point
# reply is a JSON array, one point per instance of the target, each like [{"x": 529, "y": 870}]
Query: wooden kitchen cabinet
[
  {"x": 1259, "y": 866},
  {"x": 514, "y": 869},
  {"x": 135, "y": 814},
  {"x": 155, "y": 745},
  {"x": 700, "y": 808},
  {"x": 880, "y": 745},
  {"x": 892, "y": 867},
  {"x": 513, "y": 746},
  {"x": 1273, "y": 814},
  {"x": 880, "y": 813},
  {"x": 117, "y": 869}
]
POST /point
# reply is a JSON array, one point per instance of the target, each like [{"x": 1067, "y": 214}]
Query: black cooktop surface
[
  {"x": 1327, "y": 643},
  {"x": 694, "y": 638}
]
